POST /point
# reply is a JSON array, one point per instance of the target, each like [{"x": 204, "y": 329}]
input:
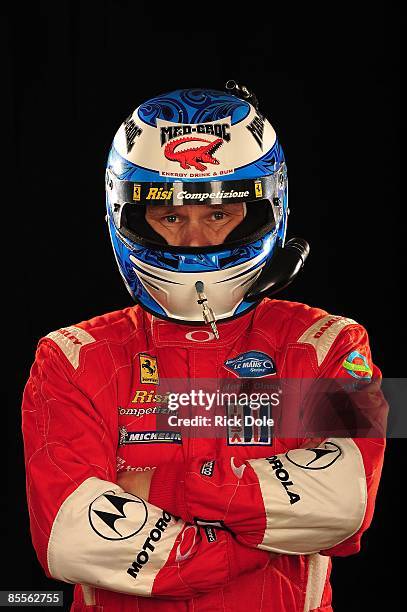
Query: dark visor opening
[{"x": 258, "y": 221}]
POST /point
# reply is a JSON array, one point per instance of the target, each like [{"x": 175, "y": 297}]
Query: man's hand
[{"x": 137, "y": 483}]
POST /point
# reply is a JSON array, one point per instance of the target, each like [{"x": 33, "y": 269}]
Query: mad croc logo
[
  {"x": 193, "y": 147},
  {"x": 253, "y": 364},
  {"x": 357, "y": 366},
  {"x": 194, "y": 156}
]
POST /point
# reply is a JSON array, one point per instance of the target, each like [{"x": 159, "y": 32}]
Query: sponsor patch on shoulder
[
  {"x": 323, "y": 333},
  {"x": 252, "y": 364},
  {"x": 70, "y": 340},
  {"x": 357, "y": 366}
]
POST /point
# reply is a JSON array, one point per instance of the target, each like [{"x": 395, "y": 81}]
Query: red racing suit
[{"x": 218, "y": 505}]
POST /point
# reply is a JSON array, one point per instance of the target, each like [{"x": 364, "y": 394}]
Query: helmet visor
[{"x": 128, "y": 202}]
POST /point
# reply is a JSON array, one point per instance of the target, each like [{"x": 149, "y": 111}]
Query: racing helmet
[{"x": 199, "y": 147}]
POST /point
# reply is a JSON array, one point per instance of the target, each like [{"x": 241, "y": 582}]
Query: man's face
[{"x": 195, "y": 225}]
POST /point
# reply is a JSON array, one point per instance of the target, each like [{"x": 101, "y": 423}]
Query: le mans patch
[
  {"x": 148, "y": 369},
  {"x": 253, "y": 364}
]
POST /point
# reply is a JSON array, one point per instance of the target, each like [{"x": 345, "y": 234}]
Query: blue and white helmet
[{"x": 201, "y": 147}]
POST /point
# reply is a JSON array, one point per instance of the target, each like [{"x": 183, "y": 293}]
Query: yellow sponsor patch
[
  {"x": 148, "y": 369},
  {"x": 136, "y": 192},
  {"x": 258, "y": 189}
]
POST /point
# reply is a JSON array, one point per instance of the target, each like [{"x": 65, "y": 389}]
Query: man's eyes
[
  {"x": 217, "y": 215},
  {"x": 170, "y": 218}
]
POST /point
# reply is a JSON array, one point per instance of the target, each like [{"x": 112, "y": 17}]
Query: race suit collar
[{"x": 167, "y": 333}]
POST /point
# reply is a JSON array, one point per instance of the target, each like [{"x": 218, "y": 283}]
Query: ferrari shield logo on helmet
[
  {"x": 136, "y": 192},
  {"x": 258, "y": 189},
  {"x": 148, "y": 369}
]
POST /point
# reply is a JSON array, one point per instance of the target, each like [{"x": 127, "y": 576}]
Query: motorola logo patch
[
  {"x": 318, "y": 458},
  {"x": 117, "y": 516}
]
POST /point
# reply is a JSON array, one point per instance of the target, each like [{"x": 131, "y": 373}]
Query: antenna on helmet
[
  {"x": 207, "y": 312},
  {"x": 242, "y": 92}
]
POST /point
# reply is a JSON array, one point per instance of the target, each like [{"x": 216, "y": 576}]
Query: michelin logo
[{"x": 150, "y": 437}]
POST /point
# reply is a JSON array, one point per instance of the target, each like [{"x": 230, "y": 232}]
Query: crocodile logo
[{"x": 195, "y": 156}]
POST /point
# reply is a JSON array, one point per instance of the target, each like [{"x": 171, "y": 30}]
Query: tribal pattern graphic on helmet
[
  {"x": 176, "y": 136},
  {"x": 193, "y": 106}
]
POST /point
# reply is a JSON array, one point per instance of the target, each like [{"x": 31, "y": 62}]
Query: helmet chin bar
[{"x": 281, "y": 270}]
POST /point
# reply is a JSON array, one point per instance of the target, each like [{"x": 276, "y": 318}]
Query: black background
[{"x": 330, "y": 87}]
